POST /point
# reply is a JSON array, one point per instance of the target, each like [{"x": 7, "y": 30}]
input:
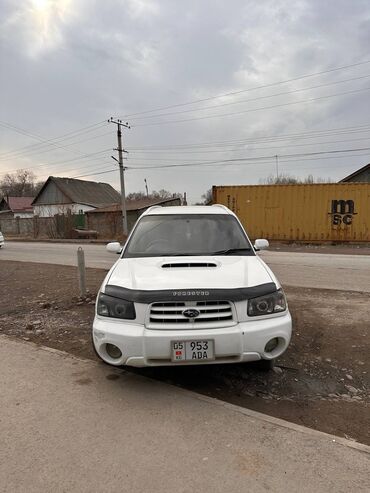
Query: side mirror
[
  {"x": 114, "y": 247},
  {"x": 261, "y": 244}
]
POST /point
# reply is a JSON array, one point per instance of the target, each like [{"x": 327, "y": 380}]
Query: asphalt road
[{"x": 312, "y": 270}]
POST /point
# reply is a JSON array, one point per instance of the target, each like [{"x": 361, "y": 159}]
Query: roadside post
[{"x": 81, "y": 271}]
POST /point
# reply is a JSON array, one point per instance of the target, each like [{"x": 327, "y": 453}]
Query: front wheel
[{"x": 265, "y": 364}]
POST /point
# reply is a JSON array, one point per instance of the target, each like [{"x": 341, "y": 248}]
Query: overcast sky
[{"x": 69, "y": 64}]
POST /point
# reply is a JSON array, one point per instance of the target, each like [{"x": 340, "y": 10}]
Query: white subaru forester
[{"x": 187, "y": 289}]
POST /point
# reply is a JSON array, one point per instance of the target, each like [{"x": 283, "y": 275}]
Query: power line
[
  {"x": 253, "y": 109},
  {"x": 254, "y": 159},
  {"x": 294, "y": 161},
  {"x": 47, "y": 149},
  {"x": 233, "y": 93},
  {"x": 260, "y": 163},
  {"x": 302, "y": 135},
  {"x": 284, "y": 163},
  {"x": 96, "y": 174},
  {"x": 253, "y": 99},
  {"x": 243, "y": 160},
  {"x": 253, "y": 149},
  {"x": 192, "y": 163},
  {"x": 33, "y": 149},
  {"x": 52, "y": 163},
  {"x": 99, "y": 161},
  {"x": 29, "y": 134},
  {"x": 82, "y": 130}
]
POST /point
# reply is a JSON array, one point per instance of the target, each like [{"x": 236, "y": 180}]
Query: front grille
[{"x": 209, "y": 312}]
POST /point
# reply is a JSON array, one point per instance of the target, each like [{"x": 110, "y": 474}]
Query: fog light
[
  {"x": 271, "y": 345},
  {"x": 113, "y": 351}
]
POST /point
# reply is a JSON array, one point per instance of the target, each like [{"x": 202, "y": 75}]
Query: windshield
[{"x": 188, "y": 234}]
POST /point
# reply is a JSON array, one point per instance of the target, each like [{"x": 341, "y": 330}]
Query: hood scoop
[{"x": 182, "y": 265}]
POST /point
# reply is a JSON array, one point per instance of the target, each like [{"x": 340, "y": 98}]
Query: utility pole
[
  {"x": 121, "y": 150},
  {"x": 277, "y": 167}
]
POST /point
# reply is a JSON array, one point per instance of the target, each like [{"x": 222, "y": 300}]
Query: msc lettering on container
[{"x": 342, "y": 212}]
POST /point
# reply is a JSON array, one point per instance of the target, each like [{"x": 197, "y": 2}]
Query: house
[
  {"x": 362, "y": 175},
  {"x": 107, "y": 221},
  {"x": 68, "y": 195},
  {"x": 16, "y": 207}
]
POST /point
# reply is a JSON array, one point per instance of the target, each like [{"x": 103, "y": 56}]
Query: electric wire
[
  {"x": 40, "y": 148},
  {"x": 302, "y": 101},
  {"x": 211, "y": 151},
  {"x": 264, "y": 86},
  {"x": 253, "y": 99},
  {"x": 309, "y": 134},
  {"x": 53, "y": 163},
  {"x": 28, "y": 134},
  {"x": 254, "y": 159}
]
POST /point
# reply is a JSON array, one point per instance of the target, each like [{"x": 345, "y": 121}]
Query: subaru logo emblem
[{"x": 191, "y": 313}]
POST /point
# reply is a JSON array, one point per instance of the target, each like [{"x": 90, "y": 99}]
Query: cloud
[
  {"x": 142, "y": 8},
  {"x": 72, "y": 63},
  {"x": 38, "y": 24}
]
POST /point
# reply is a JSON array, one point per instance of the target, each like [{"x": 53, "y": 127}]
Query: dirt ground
[
  {"x": 340, "y": 248},
  {"x": 322, "y": 381}
]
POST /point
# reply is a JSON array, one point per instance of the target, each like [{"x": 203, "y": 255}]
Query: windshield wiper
[{"x": 231, "y": 251}]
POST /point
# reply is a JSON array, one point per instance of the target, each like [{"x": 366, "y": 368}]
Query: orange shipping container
[{"x": 315, "y": 212}]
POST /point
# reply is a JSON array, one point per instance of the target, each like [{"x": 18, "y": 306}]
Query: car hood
[{"x": 159, "y": 273}]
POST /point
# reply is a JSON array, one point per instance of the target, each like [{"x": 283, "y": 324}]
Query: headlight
[
  {"x": 108, "y": 306},
  {"x": 264, "y": 305}
]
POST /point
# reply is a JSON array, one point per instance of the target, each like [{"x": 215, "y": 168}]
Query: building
[
  {"x": 68, "y": 195},
  {"x": 107, "y": 221},
  {"x": 362, "y": 175},
  {"x": 16, "y": 207}
]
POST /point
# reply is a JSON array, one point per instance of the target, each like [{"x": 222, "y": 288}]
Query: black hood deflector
[{"x": 235, "y": 294}]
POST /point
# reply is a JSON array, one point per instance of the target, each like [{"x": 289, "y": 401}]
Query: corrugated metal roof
[
  {"x": 19, "y": 204},
  {"x": 361, "y": 170},
  {"x": 84, "y": 192}
]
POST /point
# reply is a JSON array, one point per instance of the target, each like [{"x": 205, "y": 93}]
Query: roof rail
[
  {"x": 222, "y": 206},
  {"x": 153, "y": 207}
]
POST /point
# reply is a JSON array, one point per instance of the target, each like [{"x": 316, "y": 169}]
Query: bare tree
[
  {"x": 207, "y": 198},
  {"x": 286, "y": 179},
  {"x": 162, "y": 194},
  {"x": 155, "y": 195},
  {"x": 20, "y": 184},
  {"x": 136, "y": 196}
]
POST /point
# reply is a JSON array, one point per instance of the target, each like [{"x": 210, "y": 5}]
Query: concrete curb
[{"x": 216, "y": 402}]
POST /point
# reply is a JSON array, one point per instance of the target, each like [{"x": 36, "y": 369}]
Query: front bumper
[{"x": 141, "y": 347}]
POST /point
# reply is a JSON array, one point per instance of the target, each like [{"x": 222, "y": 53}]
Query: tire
[{"x": 265, "y": 364}]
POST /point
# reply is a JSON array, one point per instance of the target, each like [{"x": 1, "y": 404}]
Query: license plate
[{"x": 192, "y": 350}]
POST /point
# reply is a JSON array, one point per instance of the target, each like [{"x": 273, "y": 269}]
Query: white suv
[{"x": 188, "y": 288}]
